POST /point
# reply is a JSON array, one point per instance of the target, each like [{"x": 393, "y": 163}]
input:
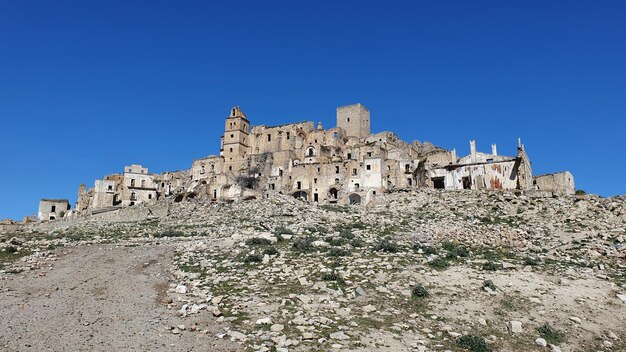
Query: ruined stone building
[
  {"x": 51, "y": 209},
  {"x": 346, "y": 164}
]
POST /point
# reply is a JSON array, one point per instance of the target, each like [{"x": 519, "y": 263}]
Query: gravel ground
[{"x": 98, "y": 298}]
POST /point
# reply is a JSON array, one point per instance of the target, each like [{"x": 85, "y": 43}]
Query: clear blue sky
[{"x": 87, "y": 87}]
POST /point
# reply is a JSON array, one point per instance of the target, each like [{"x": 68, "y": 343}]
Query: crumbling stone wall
[{"x": 557, "y": 183}]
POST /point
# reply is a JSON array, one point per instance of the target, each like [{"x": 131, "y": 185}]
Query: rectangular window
[
  {"x": 369, "y": 154},
  {"x": 336, "y": 169},
  {"x": 315, "y": 181},
  {"x": 353, "y": 171},
  {"x": 288, "y": 135},
  {"x": 269, "y": 137},
  {"x": 54, "y": 208},
  {"x": 369, "y": 167},
  {"x": 349, "y": 156}
]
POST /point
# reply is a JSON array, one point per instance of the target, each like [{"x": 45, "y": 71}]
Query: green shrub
[
  {"x": 419, "y": 291},
  {"x": 332, "y": 276},
  {"x": 490, "y": 285},
  {"x": 346, "y": 234},
  {"x": 385, "y": 245},
  {"x": 253, "y": 258},
  {"x": 270, "y": 251},
  {"x": 427, "y": 250},
  {"x": 531, "y": 261},
  {"x": 439, "y": 263},
  {"x": 473, "y": 343},
  {"x": 356, "y": 243},
  {"x": 169, "y": 233},
  {"x": 10, "y": 249},
  {"x": 337, "y": 252},
  {"x": 358, "y": 225},
  {"x": 335, "y": 242},
  {"x": 281, "y": 230},
  {"x": 580, "y": 192},
  {"x": 257, "y": 241},
  {"x": 550, "y": 334},
  {"x": 492, "y": 266},
  {"x": 304, "y": 245}
]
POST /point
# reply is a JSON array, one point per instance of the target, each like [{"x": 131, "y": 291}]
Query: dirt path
[{"x": 98, "y": 298}]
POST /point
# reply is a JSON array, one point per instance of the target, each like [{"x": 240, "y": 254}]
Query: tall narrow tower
[
  {"x": 355, "y": 120},
  {"x": 235, "y": 140}
]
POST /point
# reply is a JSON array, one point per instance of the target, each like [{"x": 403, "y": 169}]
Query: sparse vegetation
[
  {"x": 439, "y": 263},
  {"x": 333, "y": 276},
  {"x": 492, "y": 266},
  {"x": 270, "y": 251},
  {"x": 385, "y": 245},
  {"x": 550, "y": 334},
  {"x": 473, "y": 343},
  {"x": 489, "y": 284},
  {"x": 253, "y": 258},
  {"x": 303, "y": 245},
  {"x": 257, "y": 241},
  {"x": 170, "y": 233},
  {"x": 337, "y": 252},
  {"x": 419, "y": 291}
]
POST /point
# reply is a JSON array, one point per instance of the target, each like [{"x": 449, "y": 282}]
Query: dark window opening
[
  {"x": 407, "y": 168},
  {"x": 280, "y": 172},
  {"x": 269, "y": 137},
  {"x": 368, "y": 167},
  {"x": 336, "y": 169},
  {"x": 349, "y": 156},
  {"x": 110, "y": 188},
  {"x": 214, "y": 194},
  {"x": 299, "y": 185},
  {"x": 353, "y": 171},
  {"x": 288, "y": 135},
  {"x": 356, "y": 186},
  {"x": 334, "y": 193},
  {"x": 467, "y": 182},
  {"x": 409, "y": 181},
  {"x": 149, "y": 196},
  {"x": 315, "y": 197},
  {"x": 369, "y": 154},
  {"x": 315, "y": 181},
  {"x": 54, "y": 208},
  {"x": 439, "y": 183},
  {"x": 132, "y": 182}
]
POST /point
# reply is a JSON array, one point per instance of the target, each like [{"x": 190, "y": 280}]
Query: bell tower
[{"x": 235, "y": 140}]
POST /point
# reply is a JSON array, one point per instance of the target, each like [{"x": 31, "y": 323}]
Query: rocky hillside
[{"x": 424, "y": 271}]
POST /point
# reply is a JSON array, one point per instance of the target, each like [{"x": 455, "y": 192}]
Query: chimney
[
  {"x": 494, "y": 150},
  {"x": 473, "y": 151},
  {"x": 519, "y": 143},
  {"x": 319, "y": 126},
  {"x": 453, "y": 156}
]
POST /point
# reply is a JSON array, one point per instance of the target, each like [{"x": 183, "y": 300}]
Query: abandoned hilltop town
[{"x": 344, "y": 165}]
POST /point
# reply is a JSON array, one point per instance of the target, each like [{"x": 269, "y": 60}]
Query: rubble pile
[{"x": 422, "y": 270}]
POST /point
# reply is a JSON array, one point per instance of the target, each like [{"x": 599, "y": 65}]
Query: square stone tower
[
  {"x": 235, "y": 141},
  {"x": 355, "y": 120}
]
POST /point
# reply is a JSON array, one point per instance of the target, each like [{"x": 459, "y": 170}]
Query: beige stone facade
[
  {"x": 345, "y": 164},
  {"x": 52, "y": 209}
]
